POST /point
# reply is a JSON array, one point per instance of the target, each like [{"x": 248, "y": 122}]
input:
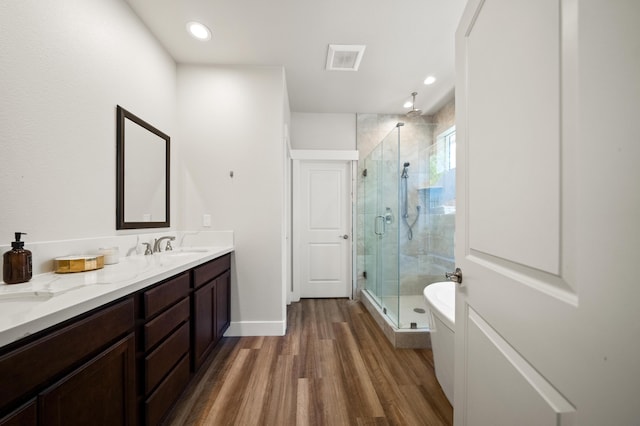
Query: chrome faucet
[
  {"x": 147, "y": 250},
  {"x": 156, "y": 244}
]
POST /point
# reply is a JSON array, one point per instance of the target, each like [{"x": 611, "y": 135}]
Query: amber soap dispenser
[{"x": 17, "y": 263}]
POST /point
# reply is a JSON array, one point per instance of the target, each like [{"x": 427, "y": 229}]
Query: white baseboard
[{"x": 256, "y": 328}]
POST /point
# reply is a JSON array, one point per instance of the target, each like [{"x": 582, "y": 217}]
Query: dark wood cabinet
[
  {"x": 158, "y": 404},
  {"x": 125, "y": 363},
  {"x": 165, "y": 294},
  {"x": 100, "y": 392},
  {"x": 203, "y": 322},
  {"x": 210, "y": 307},
  {"x": 222, "y": 300},
  {"x": 75, "y": 372},
  {"x": 27, "y": 415},
  {"x": 165, "y": 345}
]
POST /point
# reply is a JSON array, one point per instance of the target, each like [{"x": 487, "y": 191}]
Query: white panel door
[
  {"x": 547, "y": 323},
  {"x": 324, "y": 224}
]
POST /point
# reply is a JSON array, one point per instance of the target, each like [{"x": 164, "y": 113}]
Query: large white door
[
  {"x": 548, "y": 136},
  {"x": 322, "y": 256}
]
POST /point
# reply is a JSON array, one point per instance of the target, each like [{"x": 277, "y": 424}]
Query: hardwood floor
[{"x": 334, "y": 367}]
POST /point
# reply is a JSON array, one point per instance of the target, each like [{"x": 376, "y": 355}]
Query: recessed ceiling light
[
  {"x": 429, "y": 80},
  {"x": 198, "y": 31}
]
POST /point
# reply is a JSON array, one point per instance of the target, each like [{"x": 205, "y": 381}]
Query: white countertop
[{"x": 50, "y": 298}]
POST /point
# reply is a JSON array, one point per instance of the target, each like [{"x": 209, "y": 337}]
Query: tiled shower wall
[{"x": 421, "y": 258}]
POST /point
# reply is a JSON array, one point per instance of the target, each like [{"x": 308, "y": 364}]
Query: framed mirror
[{"x": 142, "y": 173}]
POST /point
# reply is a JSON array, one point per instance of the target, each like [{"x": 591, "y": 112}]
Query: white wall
[
  {"x": 323, "y": 131},
  {"x": 231, "y": 119},
  {"x": 64, "y": 66}
]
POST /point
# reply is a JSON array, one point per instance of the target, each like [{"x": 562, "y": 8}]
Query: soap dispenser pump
[{"x": 17, "y": 263}]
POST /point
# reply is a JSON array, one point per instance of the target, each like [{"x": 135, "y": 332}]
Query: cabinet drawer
[
  {"x": 23, "y": 369},
  {"x": 166, "y": 294},
  {"x": 161, "y": 360},
  {"x": 167, "y": 393},
  {"x": 156, "y": 329},
  {"x": 210, "y": 270}
]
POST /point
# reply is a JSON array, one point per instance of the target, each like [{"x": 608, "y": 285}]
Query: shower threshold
[{"x": 410, "y": 338}]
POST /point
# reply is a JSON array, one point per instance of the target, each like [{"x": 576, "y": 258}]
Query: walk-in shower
[{"x": 408, "y": 220}]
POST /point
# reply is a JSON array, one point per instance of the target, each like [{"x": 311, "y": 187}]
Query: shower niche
[{"x": 408, "y": 220}]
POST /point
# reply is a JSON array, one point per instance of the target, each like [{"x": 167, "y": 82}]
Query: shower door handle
[{"x": 380, "y": 219}]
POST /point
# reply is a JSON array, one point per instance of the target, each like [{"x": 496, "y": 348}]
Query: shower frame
[
  {"x": 407, "y": 243},
  {"x": 382, "y": 216}
]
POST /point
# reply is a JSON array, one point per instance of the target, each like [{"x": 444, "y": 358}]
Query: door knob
[
  {"x": 345, "y": 236},
  {"x": 456, "y": 276}
]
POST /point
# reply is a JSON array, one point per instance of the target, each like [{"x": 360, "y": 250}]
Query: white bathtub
[{"x": 441, "y": 301}]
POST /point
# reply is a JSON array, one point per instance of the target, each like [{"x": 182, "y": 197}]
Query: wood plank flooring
[{"x": 334, "y": 367}]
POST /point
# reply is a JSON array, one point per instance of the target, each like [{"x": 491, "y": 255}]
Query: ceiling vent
[{"x": 344, "y": 57}]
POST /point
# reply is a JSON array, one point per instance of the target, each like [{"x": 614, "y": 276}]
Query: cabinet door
[
  {"x": 100, "y": 392},
  {"x": 27, "y": 415},
  {"x": 24, "y": 369},
  {"x": 203, "y": 322},
  {"x": 223, "y": 287}
]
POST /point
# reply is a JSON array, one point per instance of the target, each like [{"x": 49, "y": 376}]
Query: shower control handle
[
  {"x": 456, "y": 276},
  {"x": 344, "y": 237}
]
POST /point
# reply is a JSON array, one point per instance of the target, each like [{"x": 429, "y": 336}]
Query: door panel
[
  {"x": 509, "y": 245},
  {"x": 327, "y": 265},
  {"x": 324, "y": 219},
  {"x": 497, "y": 373},
  {"x": 325, "y": 204},
  {"x": 513, "y": 167},
  {"x": 544, "y": 305}
]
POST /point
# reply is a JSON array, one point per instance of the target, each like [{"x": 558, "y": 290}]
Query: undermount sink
[
  {"x": 36, "y": 290},
  {"x": 184, "y": 252},
  {"x": 171, "y": 257},
  {"x": 23, "y": 300}
]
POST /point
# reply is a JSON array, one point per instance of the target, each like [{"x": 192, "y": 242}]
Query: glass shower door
[
  {"x": 381, "y": 191},
  {"x": 389, "y": 202},
  {"x": 372, "y": 225}
]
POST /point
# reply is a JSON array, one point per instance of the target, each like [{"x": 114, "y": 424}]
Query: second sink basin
[{"x": 184, "y": 252}]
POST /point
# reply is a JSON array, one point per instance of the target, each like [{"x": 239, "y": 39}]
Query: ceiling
[{"x": 406, "y": 41}]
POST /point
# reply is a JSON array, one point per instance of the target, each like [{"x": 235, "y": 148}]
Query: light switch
[{"x": 206, "y": 220}]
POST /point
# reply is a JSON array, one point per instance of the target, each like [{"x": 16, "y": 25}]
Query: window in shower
[
  {"x": 450, "y": 145},
  {"x": 442, "y": 158}
]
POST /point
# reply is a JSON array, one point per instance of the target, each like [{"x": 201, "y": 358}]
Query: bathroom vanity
[{"x": 113, "y": 352}]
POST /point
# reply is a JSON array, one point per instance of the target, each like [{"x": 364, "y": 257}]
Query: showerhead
[
  {"x": 414, "y": 112},
  {"x": 405, "y": 174}
]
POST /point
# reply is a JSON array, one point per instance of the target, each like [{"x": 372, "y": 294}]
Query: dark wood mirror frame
[{"x": 121, "y": 223}]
